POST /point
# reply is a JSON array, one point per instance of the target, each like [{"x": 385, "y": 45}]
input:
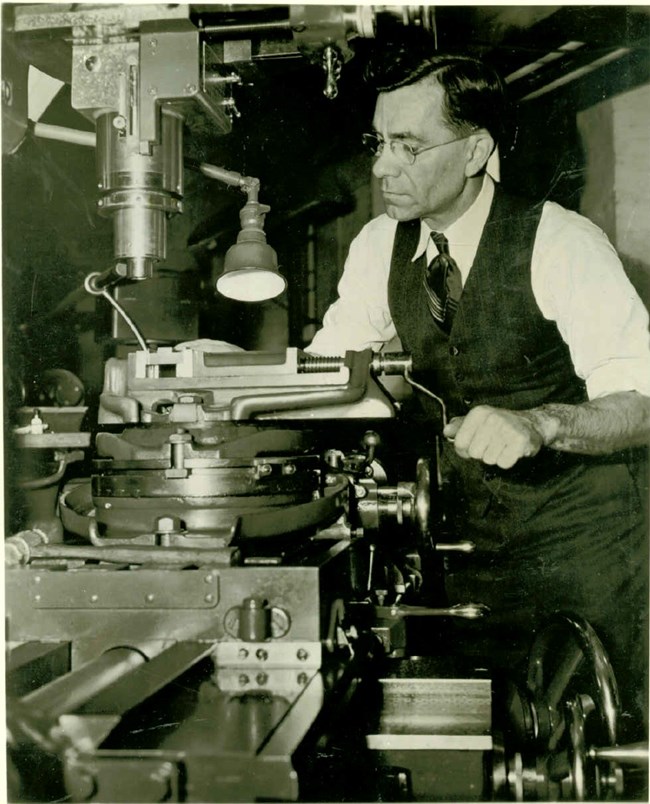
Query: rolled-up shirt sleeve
[
  {"x": 360, "y": 317},
  {"x": 579, "y": 282}
]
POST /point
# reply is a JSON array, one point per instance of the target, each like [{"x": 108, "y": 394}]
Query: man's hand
[{"x": 496, "y": 436}]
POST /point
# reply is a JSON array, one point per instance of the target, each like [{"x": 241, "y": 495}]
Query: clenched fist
[{"x": 496, "y": 436}]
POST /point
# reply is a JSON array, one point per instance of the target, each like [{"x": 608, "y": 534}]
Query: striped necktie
[{"x": 442, "y": 284}]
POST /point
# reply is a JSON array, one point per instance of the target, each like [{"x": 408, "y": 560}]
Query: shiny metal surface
[
  {"x": 139, "y": 190},
  {"x": 67, "y": 693}
]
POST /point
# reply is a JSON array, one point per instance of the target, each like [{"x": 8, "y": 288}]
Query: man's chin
[{"x": 399, "y": 212}]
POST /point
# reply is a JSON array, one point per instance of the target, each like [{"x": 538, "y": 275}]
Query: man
[{"x": 520, "y": 317}]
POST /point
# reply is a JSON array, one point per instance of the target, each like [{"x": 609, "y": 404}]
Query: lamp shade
[{"x": 250, "y": 273}]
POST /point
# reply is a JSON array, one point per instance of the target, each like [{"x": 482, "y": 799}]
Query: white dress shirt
[{"x": 577, "y": 280}]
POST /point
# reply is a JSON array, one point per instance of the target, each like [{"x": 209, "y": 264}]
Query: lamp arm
[{"x": 247, "y": 184}]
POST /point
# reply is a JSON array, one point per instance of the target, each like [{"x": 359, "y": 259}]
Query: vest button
[{"x": 454, "y": 351}]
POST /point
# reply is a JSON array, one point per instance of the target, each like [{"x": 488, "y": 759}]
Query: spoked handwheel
[
  {"x": 568, "y": 710},
  {"x": 568, "y": 658}
]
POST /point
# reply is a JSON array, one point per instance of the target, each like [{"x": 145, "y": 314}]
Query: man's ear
[{"x": 479, "y": 148}]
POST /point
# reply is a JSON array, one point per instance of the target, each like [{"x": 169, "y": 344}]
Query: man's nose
[{"x": 385, "y": 164}]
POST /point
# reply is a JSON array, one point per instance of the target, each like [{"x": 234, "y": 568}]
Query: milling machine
[{"x": 212, "y": 582}]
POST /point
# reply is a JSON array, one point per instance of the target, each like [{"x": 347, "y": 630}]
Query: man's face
[{"x": 431, "y": 187}]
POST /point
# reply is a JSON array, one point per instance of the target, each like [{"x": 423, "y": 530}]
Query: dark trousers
[{"x": 560, "y": 532}]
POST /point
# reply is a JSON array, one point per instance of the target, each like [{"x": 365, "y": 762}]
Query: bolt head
[
  {"x": 371, "y": 439},
  {"x": 167, "y": 524},
  {"x": 180, "y": 438}
]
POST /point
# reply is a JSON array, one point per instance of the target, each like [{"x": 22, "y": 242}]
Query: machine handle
[
  {"x": 466, "y": 611},
  {"x": 635, "y": 754},
  {"x": 455, "y": 547}
]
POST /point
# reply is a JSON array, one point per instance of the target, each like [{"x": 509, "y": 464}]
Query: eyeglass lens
[{"x": 400, "y": 150}]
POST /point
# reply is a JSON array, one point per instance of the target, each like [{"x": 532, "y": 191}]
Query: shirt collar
[{"x": 467, "y": 229}]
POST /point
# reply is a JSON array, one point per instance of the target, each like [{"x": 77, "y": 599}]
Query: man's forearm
[{"x": 599, "y": 426}]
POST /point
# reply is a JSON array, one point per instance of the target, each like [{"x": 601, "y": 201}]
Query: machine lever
[
  {"x": 467, "y": 611},
  {"x": 455, "y": 547},
  {"x": 632, "y": 754}
]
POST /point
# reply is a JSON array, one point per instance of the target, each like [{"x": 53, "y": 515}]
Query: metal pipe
[
  {"x": 69, "y": 692},
  {"x": 92, "y": 284},
  {"x": 62, "y": 134},
  {"x": 254, "y": 27},
  {"x": 248, "y": 184},
  {"x": 42, "y": 482}
]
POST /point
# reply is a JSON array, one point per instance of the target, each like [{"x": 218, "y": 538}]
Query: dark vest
[
  {"x": 501, "y": 351},
  {"x": 557, "y": 531}
]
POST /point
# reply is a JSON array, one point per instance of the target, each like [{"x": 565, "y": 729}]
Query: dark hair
[{"x": 474, "y": 92}]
